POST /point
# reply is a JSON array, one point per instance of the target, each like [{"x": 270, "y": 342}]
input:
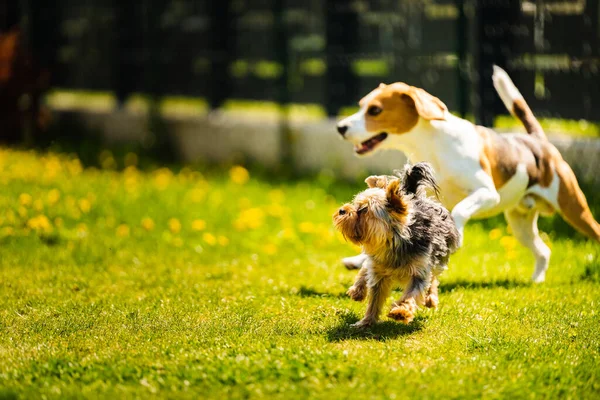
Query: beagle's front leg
[{"x": 478, "y": 201}]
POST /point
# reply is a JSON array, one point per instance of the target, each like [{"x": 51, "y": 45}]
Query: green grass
[{"x": 207, "y": 284}]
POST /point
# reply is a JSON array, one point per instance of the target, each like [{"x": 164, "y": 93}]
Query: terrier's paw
[
  {"x": 363, "y": 323},
  {"x": 357, "y": 293},
  {"x": 431, "y": 301},
  {"x": 402, "y": 313}
]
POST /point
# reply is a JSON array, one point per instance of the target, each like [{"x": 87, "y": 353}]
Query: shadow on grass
[
  {"x": 591, "y": 272},
  {"x": 381, "y": 331},
  {"x": 465, "y": 284},
  {"x": 310, "y": 292}
]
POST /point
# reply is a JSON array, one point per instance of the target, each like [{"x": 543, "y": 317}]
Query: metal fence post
[
  {"x": 462, "y": 67},
  {"x": 494, "y": 21},
  {"x": 342, "y": 45},
  {"x": 283, "y": 95},
  {"x": 222, "y": 46},
  {"x": 126, "y": 49}
]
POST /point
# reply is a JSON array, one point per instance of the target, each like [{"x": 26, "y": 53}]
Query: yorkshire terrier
[{"x": 407, "y": 236}]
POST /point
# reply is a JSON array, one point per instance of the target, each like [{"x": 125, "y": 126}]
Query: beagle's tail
[{"x": 515, "y": 103}]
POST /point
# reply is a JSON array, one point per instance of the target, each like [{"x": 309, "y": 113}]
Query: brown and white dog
[{"x": 480, "y": 173}]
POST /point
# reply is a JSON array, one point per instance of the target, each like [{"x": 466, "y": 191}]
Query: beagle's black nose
[
  {"x": 342, "y": 129},
  {"x": 342, "y": 211}
]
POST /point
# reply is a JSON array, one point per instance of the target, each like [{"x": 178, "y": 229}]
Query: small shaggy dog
[{"x": 407, "y": 236}]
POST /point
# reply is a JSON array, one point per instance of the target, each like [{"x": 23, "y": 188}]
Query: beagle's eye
[{"x": 374, "y": 110}]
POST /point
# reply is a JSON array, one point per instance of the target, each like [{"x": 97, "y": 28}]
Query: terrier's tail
[
  {"x": 417, "y": 178},
  {"x": 515, "y": 103}
]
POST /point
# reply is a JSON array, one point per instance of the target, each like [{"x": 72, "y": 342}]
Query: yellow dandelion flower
[
  {"x": 52, "y": 167},
  {"x": 223, "y": 241},
  {"x": 508, "y": 242},
  {"x": 25, "y": 199},
  {"x": 177, "y": 242},
  {"x": 148, "y": 224},
  {"x": 306, "y": 227},
  {"x": 22, "y": 212},
  {"x": 495, "y": 234},
  {"x": 252, "y": 218},
  {"x": 75, "y": 167},
  {"x": 239, "y": 174},
  {"x": 122, "y": 230},
  {"x": 85, "y": 205},
  {"x": 131, "y": 160},
  {"x": 174, "y": 225},
  {"x": 162, "y": 178},
  {"x": 107, "y": 161},
  {"x": 270, "y": 249},
  {"x": 40, "y": 224},
  {"x": 53, "y": 196},
  {"x": 209, "y": 238},
  {"x": 287, "y": 234},
  {"x": 198, "y": 225}
]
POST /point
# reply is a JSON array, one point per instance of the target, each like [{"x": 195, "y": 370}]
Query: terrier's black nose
[
  {"x": 342, "y": 211},
  {"x": 342, "y": 129}
]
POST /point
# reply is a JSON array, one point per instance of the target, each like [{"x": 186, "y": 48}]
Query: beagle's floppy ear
[
  {"x": 428, "y": 106},
  {"x": 395, "y": 199}
]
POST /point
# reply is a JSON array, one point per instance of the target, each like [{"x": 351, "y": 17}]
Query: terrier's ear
[
  {"x": 395, "y": 199},
  {"x": 377, "y": 181}
]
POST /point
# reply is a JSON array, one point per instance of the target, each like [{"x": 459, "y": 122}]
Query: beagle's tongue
[{"x": 370, "y": 144}]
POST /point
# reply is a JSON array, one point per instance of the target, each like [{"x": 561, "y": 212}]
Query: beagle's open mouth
[{"x": 370, "y": 144}]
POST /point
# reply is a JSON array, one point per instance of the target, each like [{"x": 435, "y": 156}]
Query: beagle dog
[{"x": 480, "y": 173}]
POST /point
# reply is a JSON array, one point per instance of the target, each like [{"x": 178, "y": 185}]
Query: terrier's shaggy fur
[{"x": 407, "y": 236}]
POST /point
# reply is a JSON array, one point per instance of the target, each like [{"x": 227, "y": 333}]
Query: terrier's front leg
[
  {"x": 431, "y": 300},
  {"x": 358, "y": 291},
  {"x": 378, "y": 294},
  {"x": 413, "y": 295}
]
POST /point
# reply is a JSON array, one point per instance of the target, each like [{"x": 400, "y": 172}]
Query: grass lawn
[{"x": 208, "y": 284}]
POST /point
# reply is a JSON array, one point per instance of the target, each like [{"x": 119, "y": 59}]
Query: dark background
[{"x": 318, "y": 52}]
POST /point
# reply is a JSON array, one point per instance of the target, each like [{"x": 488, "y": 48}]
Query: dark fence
[{"x": 322, "y": 52}]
